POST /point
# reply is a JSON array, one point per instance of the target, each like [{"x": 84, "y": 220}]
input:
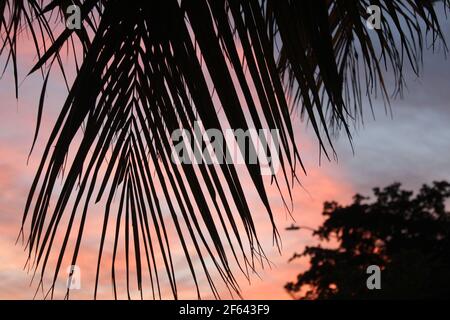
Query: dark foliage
[{"x": 407, "y": 236}]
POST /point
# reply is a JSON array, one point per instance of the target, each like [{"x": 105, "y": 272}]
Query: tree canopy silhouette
[
  {"x": 407, "y": 236},
  {"x": 146, "y": 68}
]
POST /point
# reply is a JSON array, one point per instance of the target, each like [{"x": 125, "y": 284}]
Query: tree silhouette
[
  {"x": 147, "y": 68},
  {"x": 407, "y": 236}
]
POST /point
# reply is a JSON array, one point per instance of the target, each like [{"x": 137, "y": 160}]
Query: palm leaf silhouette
[{"x": 151, "y": 67}]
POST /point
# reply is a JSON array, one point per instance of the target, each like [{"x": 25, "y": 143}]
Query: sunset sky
[{"x": 412, "y": 147}]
